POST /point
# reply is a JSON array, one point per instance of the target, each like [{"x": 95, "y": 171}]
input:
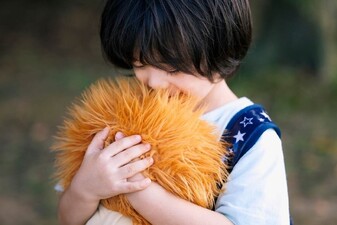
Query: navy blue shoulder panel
[{"x": 244, "y": 129}]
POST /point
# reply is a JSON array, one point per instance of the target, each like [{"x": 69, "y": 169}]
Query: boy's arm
[
  {"x": 257, "y": 193},
  {"x": 173, "y": 210},
  {"x": 75, "y": 209},
  {"x": 257, "y": 188},
  {"x": 103, "y": 174}
]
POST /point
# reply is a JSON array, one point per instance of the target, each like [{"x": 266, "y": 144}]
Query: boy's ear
[{"x": 217, "y": 78}]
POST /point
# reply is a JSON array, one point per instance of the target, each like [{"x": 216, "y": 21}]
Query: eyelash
[
  {"x": 139, "y": 67},
  {"x": 173, "y": 72}
]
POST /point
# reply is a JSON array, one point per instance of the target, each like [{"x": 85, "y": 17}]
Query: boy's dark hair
[{"x": 205, "y": 36}]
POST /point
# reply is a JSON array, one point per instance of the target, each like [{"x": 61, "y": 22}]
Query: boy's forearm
[
  {"x": 73, "y": 209},
  {"x": 163, "y": 208}
]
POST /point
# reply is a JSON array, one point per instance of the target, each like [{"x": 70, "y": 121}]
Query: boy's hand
[{"x": 104, "y": 172}]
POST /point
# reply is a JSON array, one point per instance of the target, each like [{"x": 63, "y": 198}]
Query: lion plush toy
[{"x": 186, "y": 151}]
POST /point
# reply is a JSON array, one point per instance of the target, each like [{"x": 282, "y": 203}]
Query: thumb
[{"x": 97, "y": 142}]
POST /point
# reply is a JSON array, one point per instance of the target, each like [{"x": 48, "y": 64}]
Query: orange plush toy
[{"x": 186, "y": 150}]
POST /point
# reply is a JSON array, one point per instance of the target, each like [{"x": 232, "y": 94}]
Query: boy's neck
[{"x": 219, "y": 95}]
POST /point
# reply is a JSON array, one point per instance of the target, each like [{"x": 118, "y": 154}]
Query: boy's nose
[
  {"x": 152, "y": 77},
  {"x": 155, "y": 82}
]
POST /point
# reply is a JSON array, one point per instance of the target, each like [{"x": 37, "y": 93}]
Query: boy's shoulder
[
  {"x": 222, "y": 115},
  {"x": 244, "y": 129}
]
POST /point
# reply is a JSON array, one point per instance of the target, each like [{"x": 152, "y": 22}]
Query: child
[{"x": 193, "y": 47}]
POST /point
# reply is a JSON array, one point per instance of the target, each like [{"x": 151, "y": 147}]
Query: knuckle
[
  {"x": 139, "y": 150},
  {"x": 101, "y": 157},
  {"x": 127, "y": 154},
  {"x": 147, "y": 162},
  {"x": 144, "y": 148},
  {"x": 119, "y": 143},
  {"x": 125, "y": 143},
  {"x": 130, "y": 169},
  {"x": 113, "y": 184},
  {"x": 143, "y": 163},
  {"x": 133, "y": 139},
  {"x": 130, "y": 187},
  {"x": 138, "y": 186},
  {"x": 99, "y": 137}
]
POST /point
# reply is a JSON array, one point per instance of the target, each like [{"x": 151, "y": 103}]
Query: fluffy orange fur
[{"x": 186, "y": 150}]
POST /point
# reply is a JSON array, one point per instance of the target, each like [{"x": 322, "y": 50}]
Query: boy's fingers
[
  {"x": 122, "y": 144},
  {"x": 97, "y": 142},
  {"x": 130, "y": 154},
  {"x": 133, "y": 186},
  {"x": 133, "y": 168},
  {"x": 119, "y": 135}
]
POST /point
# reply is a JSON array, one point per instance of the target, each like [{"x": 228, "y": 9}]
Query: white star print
[
  {"x": 246, "y": 121},
  {"x": 239, "y": 137},
  {"x": 265, "y": 115},
  {"x": 261, "y": 120}
]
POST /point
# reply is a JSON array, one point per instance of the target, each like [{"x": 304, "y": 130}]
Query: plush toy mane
[{"x": 186, "y": 150}]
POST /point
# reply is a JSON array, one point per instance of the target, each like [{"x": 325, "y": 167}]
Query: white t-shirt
[{"x": 256, "y": 192}]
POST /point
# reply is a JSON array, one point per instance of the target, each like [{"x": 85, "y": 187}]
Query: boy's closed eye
[{"x": 168, "y": 68}]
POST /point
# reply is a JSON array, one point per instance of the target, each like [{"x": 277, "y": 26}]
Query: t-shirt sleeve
[{"x": 256, "y": 192}]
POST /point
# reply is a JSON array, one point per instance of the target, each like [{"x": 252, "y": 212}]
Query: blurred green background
[{"x": 50, "y": 52}]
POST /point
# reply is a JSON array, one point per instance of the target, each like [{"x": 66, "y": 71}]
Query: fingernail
[
  {"x": 138, "y": 137},
  {"x": 105, "y": 131},
  {"x": 119, "y": 135}
]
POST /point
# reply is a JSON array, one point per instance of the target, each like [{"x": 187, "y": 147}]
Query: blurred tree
[
  {"x": 324, "y": 14},
  {"x": 327, "y": 14},
  {"x": 301, "y": 34},
  {"x": 284, "y": 36}
]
